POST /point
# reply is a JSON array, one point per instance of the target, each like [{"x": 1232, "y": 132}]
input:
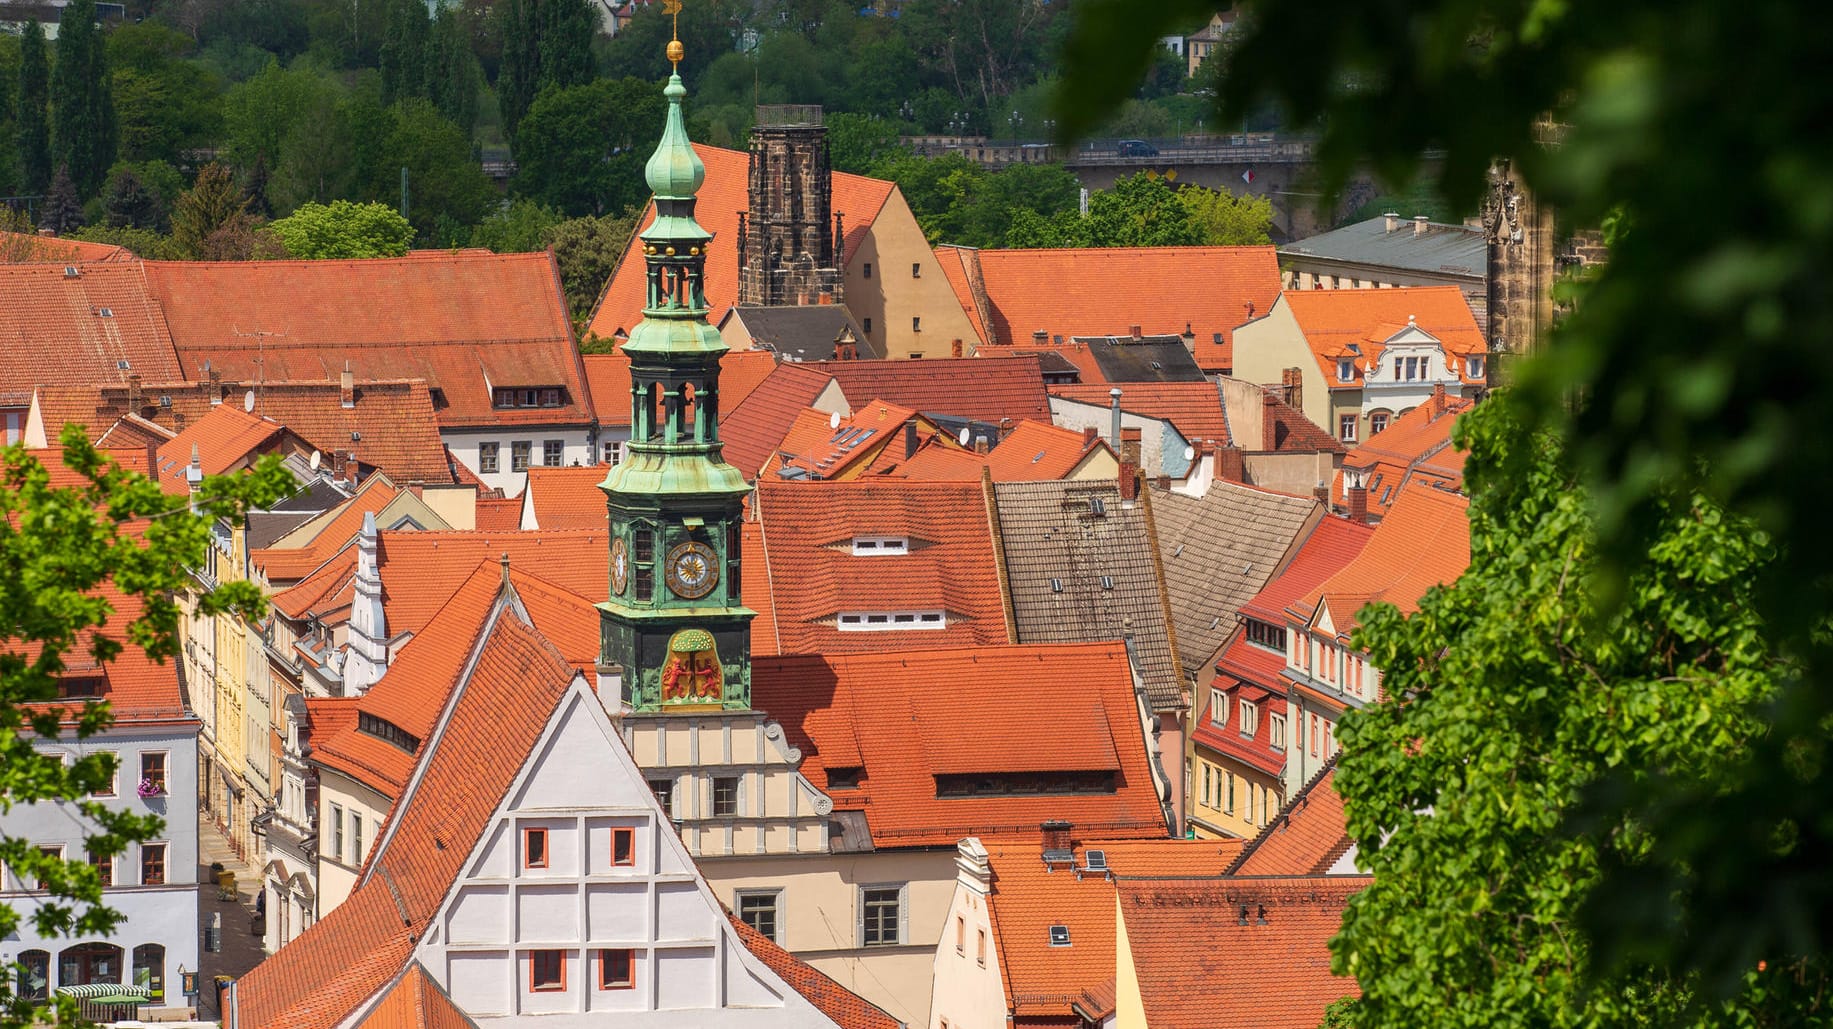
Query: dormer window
[
  {"x": 1473, "y": 366},
  {"x": 880, "y": 546},
  {"x": 505, "y": 397},
  {"x": 1346, "y": 369},
  {"x": 884, "y": 621}
]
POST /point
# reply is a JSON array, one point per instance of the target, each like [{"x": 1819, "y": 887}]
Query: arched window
[
  {"x": 149, "y": 970},
  {"x": 34, "y": 981},
  {"x": 89, "y": 963}
]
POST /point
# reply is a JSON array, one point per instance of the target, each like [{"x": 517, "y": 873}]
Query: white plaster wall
[
  {"x": 968, "y": 993},
  {"x": 578, "y": 450}
]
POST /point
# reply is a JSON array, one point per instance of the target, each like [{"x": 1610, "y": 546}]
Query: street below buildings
[{"x": 239, "y": 945}]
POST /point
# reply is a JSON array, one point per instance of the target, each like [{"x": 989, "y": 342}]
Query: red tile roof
[
  {"x": 464, "y": 322},
  {"x": 1418, "y": 442},
  {"x": 848, "y": 1009},
  {"x": 320, "y": 978},
  {"x": 390, "y": 426},
  {"x": 415, "y": 1001},
  {"x": 99, "y": 326},
  {"x": 806, "y": 535},
  {"x": 899, "y": 717},
  {"x": 139, "y": 690},
  {"x": 724, "y": 194},
  {"x": 498, "y": 514},
  {"x": 226, "y": 438},
  {"x": 21, "y": 248},
  {"x": 939, "y": 458},
  {"x": 819, "y": 448},
  {"x": 1292, "y": 431},
  {"x": 1105, "y": 292},
  {"x": 1334, "y": 320},
  {"x": 287, "y": 565},
  {"x": 1035, "y": 451},
  {"x": 1193, "y": 408},
  {"x": 1333, "y": 544},
  {"x": 1029, "y": 898},
  {"x": 1271, "y": 976},
  {"x": 963, "y": 387},
  {"x": 1309, "y": 836},
  {"x": 566, "y": 498},
  {"x": 752, "y": 430},
  {"x": 1423, "y": 542},
  {"x": 1244, "y": 672}
]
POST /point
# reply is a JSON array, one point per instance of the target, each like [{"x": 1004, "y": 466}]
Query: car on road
[{"x": 1136, "y": 148}]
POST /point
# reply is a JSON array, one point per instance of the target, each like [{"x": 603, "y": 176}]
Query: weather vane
[{"x": 675, "y": 50}]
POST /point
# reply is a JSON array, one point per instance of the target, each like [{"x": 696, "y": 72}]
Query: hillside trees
[
  {"x": 34, "y": 118},
  {"x": 581, "y": 149},
  {"x": 343, "y": 230},
  {"x": 83, "y": 112},
  {"x": 546, "y": 44}
]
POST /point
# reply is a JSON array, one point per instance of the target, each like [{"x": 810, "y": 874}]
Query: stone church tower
[
  {"x": 1519, "y": 274},
  {"x": 789, "y": 239}
]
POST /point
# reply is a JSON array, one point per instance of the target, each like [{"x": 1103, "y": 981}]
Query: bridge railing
[{"x": 1239, "y": 148}]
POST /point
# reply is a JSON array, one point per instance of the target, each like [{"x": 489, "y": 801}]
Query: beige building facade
[{"x": 898, "y": 294}]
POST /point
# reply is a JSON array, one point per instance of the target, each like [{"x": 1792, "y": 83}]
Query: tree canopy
[{"x": 343, "y": 230}]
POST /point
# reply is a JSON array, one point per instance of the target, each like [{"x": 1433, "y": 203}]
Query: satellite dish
[
  {"x": 1190, "y": 453},
  {"x": 317, "y": 459},
  {"x": 833, "y": 420},
  {"x": 248, "y": 401},
  {"x": 964, "y": 436}
]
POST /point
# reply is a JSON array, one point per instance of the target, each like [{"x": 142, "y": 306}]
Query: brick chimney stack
[
  {"x": 1057, "y": 844},
  {"x": 1089, "y": 435},
  {"x": 216, "y": 384},
  {"x": 347, "y": 386},
  {"x": 1292, "y": 380},
  {"x": 1130, "y": 445},
  {"x": 1269, "y": 422},
  {"x": 1438, "y": 401},
  {"x": 1231, "y": 464},
  {"x": 1358, "y": 503}
]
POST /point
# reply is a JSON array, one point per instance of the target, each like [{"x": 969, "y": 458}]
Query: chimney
[
  {"x": 216, "y": 384},
  {"x": 1135, "y": 330},
  {"x": 1250, "y": 317},
  {"x": 1419, "y": 225},
  {"x": 1269, "y": 421},
  {"x": 1321, "y": 493},
  {"x": 1089, "y": 435},
  {"x": 1114, "y": 400},
  {"x": 980, "y": 445},
  {"x": 1390, "y": 221},
  {"x": 194, "y": 473},
  {"x": 1358, "y": 503},
  {"x": 1190, "y": 339},
  {"x": 1056, "y": 843},
  {"x": 347, "y": 382},
  {"x": 1231, "y": 464},
  {"x": 910, "y": 439},
  {"x": 955, "y": 349},
  {"x": 1294, "y": 382},
  {"x": 133, "y": 393},
  {"x": 1129, "y": 464},
  {"x": 1040, "y": 337}
]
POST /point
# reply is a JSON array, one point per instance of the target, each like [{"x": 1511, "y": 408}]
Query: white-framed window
[
  {"x": 1218, "y": 707},
  {"x": 1228, "y": 792},
  {"x": 1276, "y": 731},
  {"x": 1346, "y": 428},
  {"x": 891, "y": 621},
  {"x": 1377, "y": 422},
  {"x": 1346, "y": 369},
  {"x": 880, "y": 546},
  {"x": 881, "y": 914},
  {"x": 356, "y": 838},
  {"x": 1473, "y": 366},
  {"x": 1250, "y": 718},
  {"x": 109, "y": 789},
  {"x": 337, "y": 832},
  {"x": 762, "y": 910},
  {"x": 614, "y": 451}
]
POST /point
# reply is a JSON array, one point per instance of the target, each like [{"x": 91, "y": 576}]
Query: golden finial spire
[{"x": 675, "y": 50}]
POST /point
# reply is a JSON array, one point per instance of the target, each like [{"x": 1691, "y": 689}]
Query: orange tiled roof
[
  {"x": 899, "y": 717},
  {"x": 391, "y": 425},
  {"x": 464, "y": 322},
  {"x": 287, "y": 565},
  {"x": 1271, "y": 976},
  {"x": 22, "y": 248},
  {"x": 816, "y": 446},
  {"x": 1105, "y": 292},
  {"x": 498, "y": 514},
  {"x": 415, "y": 1001},
  {"x": 1423, "y": 542},
  {"x": 956, "y": 268},
  {"x": 1036, "y": 451},
  {"x": 1244, "y": 672},
  {"x": 962, "y": 387},
  {"x": 806, "y": 532},
  {"x": 1041, "y": 980},
  {"x": 224, "y": 438},
  {"x": 567, "y": 498},
  {"x": 938, "y": 459},
  {"x": 139, "y": 690},
  {"x": 1334, "y": 543},
  {"x": 1419, "y": 440},
  {"x": 101, "y": 325},
  {"x": 1194, "y": 409},
  {"x": 1334, "y": 320},
  {"x": 1309, "y": 836},
  {"x": 320, "y": 978},
  {"x": 752, "y": 430},
  {"x": 724, "y": 194},
  {"x": 848, "y": 1009}
]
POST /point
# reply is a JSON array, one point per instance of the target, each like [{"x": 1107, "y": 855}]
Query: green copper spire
[{"x": 675, "y": 623}]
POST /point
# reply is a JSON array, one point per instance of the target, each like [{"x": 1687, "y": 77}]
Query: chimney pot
[
  {"x": 980, "y": 445},
  {"x": 1135, "y": 330},
  {"x": 1419, "y": 225},
  {"x": 1040, "y": 337},
  {"x": 1391, "y": 221},
  {"x": 910, "y": 439}
]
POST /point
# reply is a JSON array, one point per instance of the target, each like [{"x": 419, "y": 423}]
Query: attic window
[
  {"x": 844, "y": 778},
  {"x": 1107, "y": 582},
  {"x": 879, "y": 621},
  {"x": 1021, "y": 784},
  {"x": 1473, "y": 366},
  {"x": 880, "y": 546},
  {"x": 1097, "y": 506},
  {"x": 382, "y": 729},
  {"x": 1346, "y": 369},
  {"x": 536, "y": 396},
  {"x": 1056, "y": 585},
  {"x": 105, "y": 312},
  {"x": 1059, "y": 936}
]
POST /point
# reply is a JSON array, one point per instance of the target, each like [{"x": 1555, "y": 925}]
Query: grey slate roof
[
  {"x": 1218, "y": 552},
  {"x": 1049, "y": 532},
  {"x": 805, "y": 333},
  {"x": 1442, "y": 249},
  {"x": 1143, "y": 359}
]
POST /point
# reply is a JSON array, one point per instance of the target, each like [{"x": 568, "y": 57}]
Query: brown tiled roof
[
  {"x": 1271, "y": 976},
  {"x": 963, "y": 387},
  {"x": 724, "y": 194},
  {"x": 752, "y": 430},
  {"x": 467, "y": 766},
  {"x": 464, "y": 322},
  {"x": 1194, "y": 409},
  {"x": 1105, "y": 292},
  {"x": 391, "y": 425},
  {"x": 100, "y": 325},
  {"x": 806, "y": 535},
  {"x": 1308, "y": 838},
  {"x": 848, "y": 1009},
  {"x": 899, "y": 716},
  {"x": 1077, "y": 575},
  {"x": 1218, "y": 551},
  {"x": 1029, "y": 898}
]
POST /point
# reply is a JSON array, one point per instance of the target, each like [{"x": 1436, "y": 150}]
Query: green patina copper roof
[{"x": 674, "y": 171}]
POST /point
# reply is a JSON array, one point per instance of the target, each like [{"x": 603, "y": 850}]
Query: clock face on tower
[
  {"x": 693, "y": 570},
  {"x": 620, "y": 566}
]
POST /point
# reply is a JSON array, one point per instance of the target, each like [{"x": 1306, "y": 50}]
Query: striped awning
[{"x": 86, "y": 991}]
